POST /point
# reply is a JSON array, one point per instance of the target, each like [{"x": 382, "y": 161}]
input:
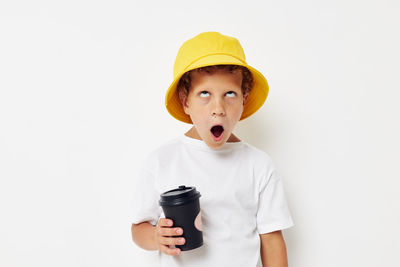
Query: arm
[
  {"x": 273, "y": 250},
  {"x": 143, "y": 234}
]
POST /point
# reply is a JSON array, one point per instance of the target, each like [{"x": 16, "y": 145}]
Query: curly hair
[{"x": 247, "y": 78}]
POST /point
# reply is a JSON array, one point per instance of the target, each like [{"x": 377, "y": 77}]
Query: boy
[{"x": 243, "y": 207}]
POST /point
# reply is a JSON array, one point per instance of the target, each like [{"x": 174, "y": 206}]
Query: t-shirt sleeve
[
  {"x": 273, "y": 213},
  {"x": 144, "y": 201}
]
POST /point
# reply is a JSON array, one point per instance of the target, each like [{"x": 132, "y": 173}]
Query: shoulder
[
  {"x": 261, "y": 162},
  {"x": 257, "y": 155},
  {"x": 161, "y": 152}
]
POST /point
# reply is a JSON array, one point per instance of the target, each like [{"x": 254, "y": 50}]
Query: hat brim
[{"x": 255, "y": 100}]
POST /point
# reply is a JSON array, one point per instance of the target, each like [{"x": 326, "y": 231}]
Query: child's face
[{"x": 215, "y": 99}]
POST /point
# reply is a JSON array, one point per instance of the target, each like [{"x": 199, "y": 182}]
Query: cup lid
[{"x": 181, "y": 195}]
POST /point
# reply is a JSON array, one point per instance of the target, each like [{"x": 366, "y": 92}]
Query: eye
[
  {"x": 231, "y": 93},
  {"x": 205, "y": 92}
]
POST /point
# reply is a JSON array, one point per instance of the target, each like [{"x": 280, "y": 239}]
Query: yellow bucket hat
[{"x": 213, "y": 48}]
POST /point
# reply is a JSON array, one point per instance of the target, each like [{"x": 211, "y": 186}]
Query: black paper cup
[{"x": 182, "y": 205}]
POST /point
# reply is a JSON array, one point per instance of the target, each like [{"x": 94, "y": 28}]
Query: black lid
[{"x": 179, "y": 196}]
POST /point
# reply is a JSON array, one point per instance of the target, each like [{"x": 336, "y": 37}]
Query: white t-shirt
[{"x": 241, "y": 197}]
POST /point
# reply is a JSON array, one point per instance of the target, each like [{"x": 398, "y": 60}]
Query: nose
[{"x": 217, "y": 108}]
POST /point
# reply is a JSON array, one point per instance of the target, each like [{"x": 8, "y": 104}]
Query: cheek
[
  {"x": 198, "y": 106},
  {"x": 198, "y": 114},
  {"x": 236, "y": 107}
]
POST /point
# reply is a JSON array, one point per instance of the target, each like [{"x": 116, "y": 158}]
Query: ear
[
  {"x": 245, "y": 98},
  {"x": 183, "y": 100}
]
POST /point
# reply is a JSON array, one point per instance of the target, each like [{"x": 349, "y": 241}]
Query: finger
[
  {"x": 171, "y": 241},
  {"x": 164, "y": 222},
  {"x": 170, "y": 251},
  {"x": 171, "y": 231}
]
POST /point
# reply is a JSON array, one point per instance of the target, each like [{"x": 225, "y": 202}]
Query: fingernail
[{"x": 179, "y": 231}]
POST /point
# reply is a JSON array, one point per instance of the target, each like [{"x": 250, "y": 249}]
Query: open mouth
[{"x": 217, "y": 130}]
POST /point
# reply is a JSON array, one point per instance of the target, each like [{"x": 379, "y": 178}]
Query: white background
[{"x": 82, "y": 102}]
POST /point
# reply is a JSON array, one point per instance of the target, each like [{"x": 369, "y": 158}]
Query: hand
[{"x": 164, "y": 237}]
